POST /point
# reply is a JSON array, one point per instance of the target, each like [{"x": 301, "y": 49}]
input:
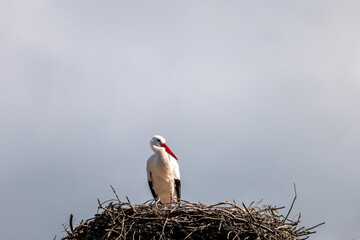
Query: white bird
[{"x": 163, "y": 172}]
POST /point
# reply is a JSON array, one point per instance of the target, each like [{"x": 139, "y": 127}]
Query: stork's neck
[{"x": 161, "y": 154}]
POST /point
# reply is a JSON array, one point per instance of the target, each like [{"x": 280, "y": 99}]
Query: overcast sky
[{"x": 252, "y": 96}]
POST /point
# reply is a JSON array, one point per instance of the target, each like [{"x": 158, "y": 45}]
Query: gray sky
[{"x": 250, "y": 95}]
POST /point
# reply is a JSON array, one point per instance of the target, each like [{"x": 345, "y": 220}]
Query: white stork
[{"x": 163, "y": 172}]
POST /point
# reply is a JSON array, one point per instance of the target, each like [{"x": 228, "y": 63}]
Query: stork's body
[{"x": 163, "y": 172}]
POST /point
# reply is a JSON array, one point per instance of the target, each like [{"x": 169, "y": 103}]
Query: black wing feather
[
  {"x": 178, "y": 188},
  {"x": 151, "y": 189}
]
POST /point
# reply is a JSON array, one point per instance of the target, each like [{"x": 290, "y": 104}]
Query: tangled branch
[{"x": 188, "y": 220}]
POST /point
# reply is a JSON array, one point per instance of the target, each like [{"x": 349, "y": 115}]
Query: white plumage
[{"x": 163, "y": 172}]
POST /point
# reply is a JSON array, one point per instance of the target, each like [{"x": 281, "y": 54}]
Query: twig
[
  {"x": 71, "y": 222},
  {"x": 315, "y": 226},
  {"x": 292, "y": 204},
  {"x": 130, "y": 204},
  {"x": 117, "y": 197}
]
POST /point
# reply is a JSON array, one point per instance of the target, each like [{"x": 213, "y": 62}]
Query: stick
[
  {"x": 117, "y": 197},
  {"x": 292, "y": 204},
  {"x": 130, "y": 204},
  {"x": 71, "y": 222}
]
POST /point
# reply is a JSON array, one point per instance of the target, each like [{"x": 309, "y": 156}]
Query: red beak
[{"x": 169, "y": 151}]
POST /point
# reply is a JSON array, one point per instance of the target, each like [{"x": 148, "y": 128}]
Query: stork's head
[{"x": 159, "y": 141}]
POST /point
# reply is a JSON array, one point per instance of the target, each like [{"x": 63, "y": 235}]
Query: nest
[{"x": 187, "y": 220}]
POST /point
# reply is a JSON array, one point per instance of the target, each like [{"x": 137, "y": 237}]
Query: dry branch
[{"x": 188, "y": 220}]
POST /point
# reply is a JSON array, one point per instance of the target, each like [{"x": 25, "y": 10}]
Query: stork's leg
[{"x": 157, "y": 200}]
